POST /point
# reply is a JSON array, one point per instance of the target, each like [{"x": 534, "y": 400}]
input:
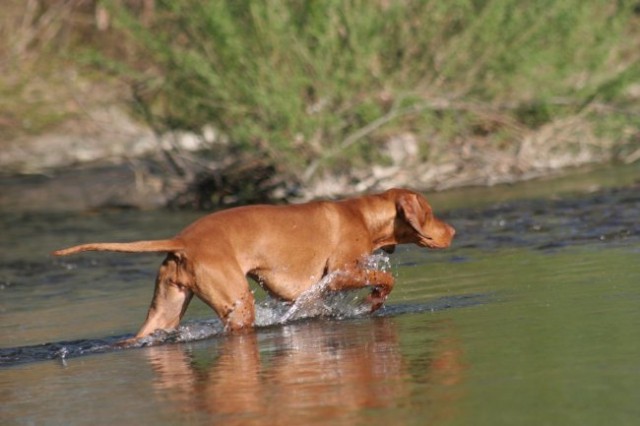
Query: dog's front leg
[
  {"x": 356, "y": 277},
  {"x": 241, "y": 314}
]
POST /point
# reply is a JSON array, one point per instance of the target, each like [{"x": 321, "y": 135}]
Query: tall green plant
[{"x": 297, "y": 79}]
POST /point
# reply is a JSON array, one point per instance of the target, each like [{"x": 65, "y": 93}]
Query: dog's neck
[{"x": 380, "y": 220}]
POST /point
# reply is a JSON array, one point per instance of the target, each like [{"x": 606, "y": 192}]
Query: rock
[
  {"x": 403, "y": 149},
  {"x": 81, "y": 189},
  {"x": 104, "y": 134}
]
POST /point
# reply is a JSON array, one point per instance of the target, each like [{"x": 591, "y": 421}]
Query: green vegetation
[
  {"x": 308, "y": 85},
  {"x": 321, "y": 82}
]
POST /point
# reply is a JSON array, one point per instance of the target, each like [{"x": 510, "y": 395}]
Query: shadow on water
[{"x": 270, "y": 313}]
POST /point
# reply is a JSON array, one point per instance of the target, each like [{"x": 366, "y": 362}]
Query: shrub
[{"x": 313, "y": 84}]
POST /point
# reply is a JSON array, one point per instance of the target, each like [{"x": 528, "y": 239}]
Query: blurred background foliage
[{"x": 320, "y": 85}]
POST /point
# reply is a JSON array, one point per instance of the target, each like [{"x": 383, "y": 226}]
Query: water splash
[
  {"x": 188, "y": 332},
  {"x": 317, "y": 302},
  {"x": 198, "y": 330},
  {"x": 379, "y": 261}
]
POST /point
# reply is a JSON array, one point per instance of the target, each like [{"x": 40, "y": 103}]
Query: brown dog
[{"x": 287, "y": 249}]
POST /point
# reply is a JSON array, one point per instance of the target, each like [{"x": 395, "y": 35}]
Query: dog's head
[{"x": 415, "y": 222}]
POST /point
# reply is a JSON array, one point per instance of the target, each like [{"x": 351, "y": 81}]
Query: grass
[
  {"x": 319, "y": 84},
  {"x": 315, "y": 86}
]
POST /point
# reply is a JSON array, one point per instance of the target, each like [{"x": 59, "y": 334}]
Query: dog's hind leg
[
  {"x": 224, "y": 287},
  {"x": 171, "y": 296}
]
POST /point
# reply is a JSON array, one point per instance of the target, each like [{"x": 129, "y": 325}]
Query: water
[{"x": 532, "y": 317}]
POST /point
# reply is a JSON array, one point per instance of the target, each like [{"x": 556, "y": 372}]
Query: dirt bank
[{"x": 106, "y": 159}]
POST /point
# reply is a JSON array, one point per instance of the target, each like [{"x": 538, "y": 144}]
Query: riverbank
[
  {"x": 99, "y": 154},
  {"x": 111, "y": 104},
  {"x": 108, "y": 160}
]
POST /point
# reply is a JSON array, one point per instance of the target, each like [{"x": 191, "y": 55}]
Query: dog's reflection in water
[{"x": 305, "y": 372}]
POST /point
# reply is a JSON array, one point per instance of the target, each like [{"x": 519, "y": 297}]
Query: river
[{"x": 531, "y": 317}]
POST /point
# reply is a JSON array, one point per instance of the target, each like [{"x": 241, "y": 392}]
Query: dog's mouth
[
  {"x": 443, "y": 240},
  {"x": 428, "y": 242}
]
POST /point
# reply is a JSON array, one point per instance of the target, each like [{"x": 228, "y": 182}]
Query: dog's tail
[{"x": 134, "y": 247}]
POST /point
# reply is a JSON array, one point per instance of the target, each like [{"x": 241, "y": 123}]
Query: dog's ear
[{"x": 412, "y": 210}]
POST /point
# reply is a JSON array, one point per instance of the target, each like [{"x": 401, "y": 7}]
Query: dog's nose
[{"x": 452, "y": 230}]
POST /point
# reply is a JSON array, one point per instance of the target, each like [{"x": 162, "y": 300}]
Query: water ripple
[{"x": 344, "y": 305}]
